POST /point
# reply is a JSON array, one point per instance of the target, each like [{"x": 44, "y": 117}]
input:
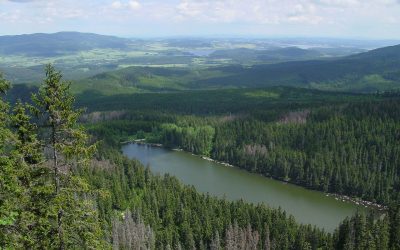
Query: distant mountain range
[
  {"x": 41, "y": 44},
  {"x": 370, "y": 71},
  {"x": 376, "y": 70},
  {"x": 316, "y": 67}
]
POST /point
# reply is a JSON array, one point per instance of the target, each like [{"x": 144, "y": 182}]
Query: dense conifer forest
[
  {"x": 351, "y": 150},
  {"x": 64, "y": 188},
  {"x": 338, "y": 143}
]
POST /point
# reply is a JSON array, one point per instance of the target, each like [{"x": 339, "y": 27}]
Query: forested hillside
[
  {"x": 339, "y": 143},
  {"x": 57, "y": 192},
  {"x": 219, "y": 102},
  {"x": 181, "y": 218},
  {"x": 372, "y": 71},
  {"x": 57, "y": 44},
  {"x": 366, "y": 72}
]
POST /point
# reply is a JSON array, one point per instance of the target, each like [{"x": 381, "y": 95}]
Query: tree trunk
[{"x": 57, "y": 187}]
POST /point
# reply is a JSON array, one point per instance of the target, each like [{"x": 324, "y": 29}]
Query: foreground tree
[
  {"x": 44, "y": 204},
  {"x": 10, "y": 189},
  {"x": 32, "y": 175},
  {"x": 65, "y": 145}
]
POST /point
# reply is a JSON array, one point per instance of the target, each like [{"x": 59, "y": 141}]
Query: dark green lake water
[{"x": 306, "y": 206}]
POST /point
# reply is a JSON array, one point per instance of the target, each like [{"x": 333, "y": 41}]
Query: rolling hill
[
  {"x": 61, "y": 43},
  {"x": 370, "y": 71},
  {"x": 149, "y": 79},
  {"x": 96, "y": 58},
  {"x": 376, "y": 70}
]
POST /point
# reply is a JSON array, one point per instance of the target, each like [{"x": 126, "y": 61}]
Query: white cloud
[
  {"x": 116, "y": 5},
  {"x": 308, "y": 12},
  {"x": 134, "y": 5},
  {"x": 131, "y": 5},
  {"x": 12, "y": 16},
  {"x": 22, "y": 1},
  {"x": 251, "y": 11},
  {"x": 290, "y": 16},
  {"x": 339, "y": 3}
]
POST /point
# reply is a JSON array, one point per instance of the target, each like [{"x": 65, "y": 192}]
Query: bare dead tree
[{"x": 132, "y": 233}]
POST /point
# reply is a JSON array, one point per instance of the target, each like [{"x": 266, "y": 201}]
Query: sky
[{"x": 368, "y": 19}]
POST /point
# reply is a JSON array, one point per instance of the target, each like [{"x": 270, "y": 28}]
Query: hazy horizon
[
  {"x": 227, "y": 36},
  {"x": 270, "y": 19}
]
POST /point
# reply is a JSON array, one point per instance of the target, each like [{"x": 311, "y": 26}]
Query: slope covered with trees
[
  {"x": 56, "y": 194},
  {"x": 334, "y": 142},
  {"x": 181, "y": 218},
  {"x": 372, "y": 71}
]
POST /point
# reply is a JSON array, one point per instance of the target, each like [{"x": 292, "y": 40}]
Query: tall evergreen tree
[
  {"x": 10, "y": 190},
  {"x": 32, "y": 178},
  {"x": 66, "y": 147}
]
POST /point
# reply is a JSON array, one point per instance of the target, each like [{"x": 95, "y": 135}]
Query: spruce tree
[
  {"x": 27, "y": 144},
  {"x": 66, "y": 148},
  {"x": 10, "y": 189}
]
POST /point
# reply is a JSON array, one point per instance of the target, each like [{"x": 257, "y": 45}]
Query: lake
[
  {"x": 307, "y": 206},
  {"x": 201, "y": 52}
]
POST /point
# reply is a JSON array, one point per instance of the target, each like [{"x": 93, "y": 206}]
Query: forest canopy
[{"x": 59, "y": 189}]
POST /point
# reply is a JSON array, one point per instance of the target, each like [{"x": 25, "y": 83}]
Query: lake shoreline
[{"x": 344, "y": 198}]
